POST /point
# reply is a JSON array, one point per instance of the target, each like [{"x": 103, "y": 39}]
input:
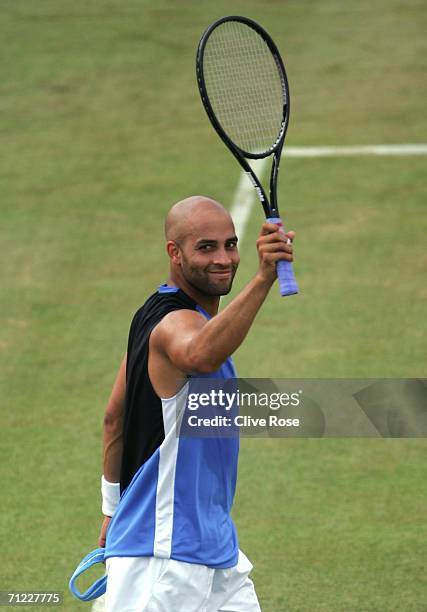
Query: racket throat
[
  {"x": 260, "y": 192},
  {"x": 274, "y": 207}
]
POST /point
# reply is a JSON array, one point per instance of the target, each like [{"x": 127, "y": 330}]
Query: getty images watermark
[{"x": 302, "y": 408}]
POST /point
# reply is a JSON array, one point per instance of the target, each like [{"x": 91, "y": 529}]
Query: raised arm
[{"x": 202, "y": 346}]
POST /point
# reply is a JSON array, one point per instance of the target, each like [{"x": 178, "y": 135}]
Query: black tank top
[{"x": 143, "y": 430}]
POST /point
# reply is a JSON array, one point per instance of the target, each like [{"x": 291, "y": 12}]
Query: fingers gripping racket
[{"x": 244, "y": 89}]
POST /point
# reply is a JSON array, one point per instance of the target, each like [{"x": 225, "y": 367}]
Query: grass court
[{"x": 102, "y": 130}]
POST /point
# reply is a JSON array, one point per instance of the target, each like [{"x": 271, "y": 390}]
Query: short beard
[{"x": 200, "y": 281}]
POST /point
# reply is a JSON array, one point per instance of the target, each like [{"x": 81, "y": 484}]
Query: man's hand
[
  {"x": 273, "y": 245},
  {"x": 104, "y": 527}
]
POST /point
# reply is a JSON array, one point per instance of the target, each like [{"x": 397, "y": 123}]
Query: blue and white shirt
[{"x": 177, "y": 503}]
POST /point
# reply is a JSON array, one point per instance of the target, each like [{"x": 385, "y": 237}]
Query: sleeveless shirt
[{"x": 176, "y": 492}]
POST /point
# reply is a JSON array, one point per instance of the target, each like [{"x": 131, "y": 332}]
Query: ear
[{"x": 173, "y": 252}]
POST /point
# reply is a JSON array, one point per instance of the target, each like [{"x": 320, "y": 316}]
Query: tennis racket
[{"x": 244, "y": 89}]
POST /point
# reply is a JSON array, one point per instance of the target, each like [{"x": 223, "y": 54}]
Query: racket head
[{"x": 243, "y": 86}]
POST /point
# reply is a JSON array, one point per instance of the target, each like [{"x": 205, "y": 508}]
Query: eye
[
  {"x": 232, "y": 244},
  {"x": 206, "y": 247}
]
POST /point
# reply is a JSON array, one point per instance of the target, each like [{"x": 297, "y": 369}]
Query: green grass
[
  {"x": 360, "y": 262},
  {"x": 338, "y": 527},
  {"x": 102, "y": 130}
]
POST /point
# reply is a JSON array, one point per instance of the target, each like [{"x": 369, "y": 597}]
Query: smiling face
[
  {"x": 209, "y": 258},
  {"x": 203, "y": 251}
]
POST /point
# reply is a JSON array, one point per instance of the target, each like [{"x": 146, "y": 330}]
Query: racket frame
[
  {"x": 270, "y": 205},
  {"x": 287, "y": 282}
]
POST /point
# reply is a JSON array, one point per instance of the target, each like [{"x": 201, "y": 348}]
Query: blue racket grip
[{"x": 285, "y": 271}]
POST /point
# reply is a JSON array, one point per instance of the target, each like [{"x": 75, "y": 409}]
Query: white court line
[
  {"x": 406, "y": 149},
  {"x": 245, "y": 195}
]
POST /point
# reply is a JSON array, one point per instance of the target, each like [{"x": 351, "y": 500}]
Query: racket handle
[{"x": 285, "y": 271}]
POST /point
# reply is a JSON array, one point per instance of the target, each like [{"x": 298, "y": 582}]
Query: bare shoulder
[
  {"x": 170, "y": 340},
  {"x": 183, "y": 322}
]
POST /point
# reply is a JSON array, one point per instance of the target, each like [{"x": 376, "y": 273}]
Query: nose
[{"x": 223, "y": 258}]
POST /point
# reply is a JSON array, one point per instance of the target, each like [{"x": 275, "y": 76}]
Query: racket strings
[{"x": 245, "y": 86}]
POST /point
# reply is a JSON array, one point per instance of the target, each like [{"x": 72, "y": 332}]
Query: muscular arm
[
  {"x": 113, "y": 426},
  {"x": 113, "y": 437},
  {"x": 201, "y": 346}
]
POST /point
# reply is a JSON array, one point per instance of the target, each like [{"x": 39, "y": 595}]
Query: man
[{"x": 171, "y": 545}]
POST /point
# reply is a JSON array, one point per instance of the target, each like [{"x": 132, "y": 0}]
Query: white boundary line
[
  {"x": 406, "y": 149},
  {"x": 245, "y": 196}
]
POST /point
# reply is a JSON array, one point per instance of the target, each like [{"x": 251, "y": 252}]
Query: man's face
[{"x": 209, "y": 254}]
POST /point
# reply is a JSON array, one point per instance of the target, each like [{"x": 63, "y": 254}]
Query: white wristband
[{"x": 110, "y": 496}]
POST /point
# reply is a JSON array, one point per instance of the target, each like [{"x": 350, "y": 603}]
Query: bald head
[
  {"x": 201, "y": 243},
  {"x": 187, "y": 216}
]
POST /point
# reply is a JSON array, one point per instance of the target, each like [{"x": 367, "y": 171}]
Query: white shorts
[{"x": 150, "y": 584}]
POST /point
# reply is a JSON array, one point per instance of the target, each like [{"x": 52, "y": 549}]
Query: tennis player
[{"x": 171, "y": 545}]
